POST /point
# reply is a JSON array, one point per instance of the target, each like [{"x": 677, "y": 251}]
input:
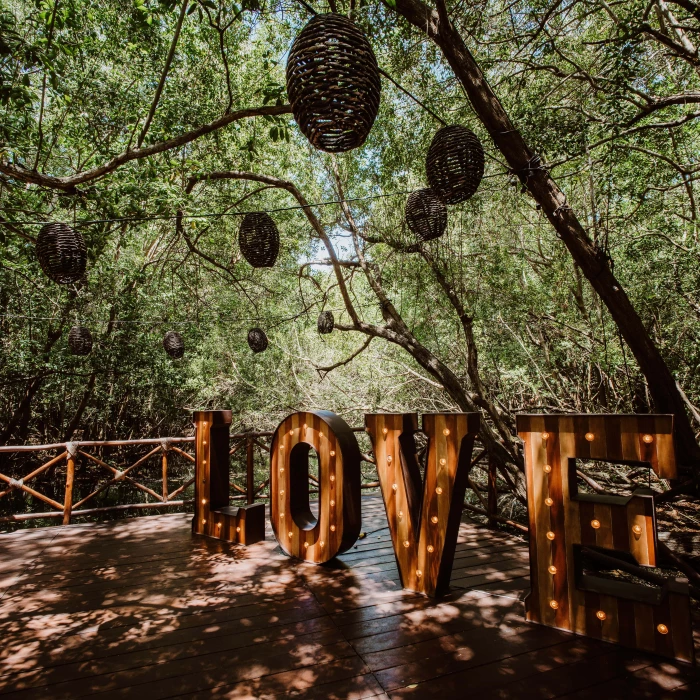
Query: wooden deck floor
[{"x": 141, "y": 609}]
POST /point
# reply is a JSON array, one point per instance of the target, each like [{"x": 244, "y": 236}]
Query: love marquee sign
[{"x": 424, "y": 513}]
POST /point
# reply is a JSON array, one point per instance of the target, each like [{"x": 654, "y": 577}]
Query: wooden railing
[{"x": 243, "y": 485}]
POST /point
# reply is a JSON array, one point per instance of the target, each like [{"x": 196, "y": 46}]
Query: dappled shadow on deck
[{"x": 142, "y": 609}]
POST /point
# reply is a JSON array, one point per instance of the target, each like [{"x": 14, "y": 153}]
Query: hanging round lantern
[
  {"x": 257, "y": 340},
  {"x": 333, "y": 83},
  {"x": 259, "y": 239},
  {"x": 455, "y": 164},
  {"x": 426, "y": 215},
  {"x": 174, "y": 344},
  {"x": 62, "y": 253},
  {"x": 326, "y": 322},
  {"x": 80, "y": 340}
]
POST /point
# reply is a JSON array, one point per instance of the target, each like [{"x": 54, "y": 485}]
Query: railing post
[
  {"x": 492, "y": 492},
  {"x": 165, "y": 446},
  {"x": 72, "y": 451},
  {"x": 250, "y": 471}
]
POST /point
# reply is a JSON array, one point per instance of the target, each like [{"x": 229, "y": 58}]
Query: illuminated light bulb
[
  {"x": 400, "y": 514},
  {"x": 321, "y": 544},
  {"x": 595, "y": 524},
  {"x": 662, "y": 629},
  {"x": 438, "y": 490},
  {"x": 281, "y": 515},
  {"x": 238, "y": 529},
  {"x": 550, "y": 535},
  {"x": 332, "y": 503},
  {"x": 443, "y": 462},
  {"x": 601, "y": 615},
  {"x": 548, "y": 501},
  {"x": 434, "y": 520},
  {"x": 547, "y": 468},
  {"x": 306, "y": 545},
  {"x": 204, "y": 522},
  {"x": 431, "y": 549},
  {"x": 282, "y": 492},
  {"x": 332, "y": 528},
  {"x": 204, "y": 461},
  {"x": 395, "y": 487},
  {"x": 388, "y": 459},
  {"x": 552, "y": 570},
  {"x": 545, "y": 436},
  {"x": 291, "y": 432},
  {"x": 204, "y": 442},
  {"x": 406, "y": 543},
  {"x": 637, "y": 529},
  {"x": 553, "y": 604},
  {"x": 446, "y": 431},
  {"x": 648, "y": 439},
  {"x": 218, "y": 524},
  {"x": 320, "y": 434},
  {"x": 204, "y": 500},
  {"x": 332, "y": 477},
  {"x": 590, "y": 437},
  {"x": 281, "y": 447},
  {"x": 281, "y": 470},
  {"x": 419, "y": 573},
  {"x": 385, "y": 431},
  {"x": 332, "y": 453},
  {"x": 304, "y": 426},
  {"x": 290, "y": 535}
]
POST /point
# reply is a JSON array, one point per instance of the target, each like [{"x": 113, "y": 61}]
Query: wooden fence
[{"x": 172, "y": 491}]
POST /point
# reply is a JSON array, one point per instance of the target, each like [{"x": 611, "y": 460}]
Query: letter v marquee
[{"x": 423, "y": 515}]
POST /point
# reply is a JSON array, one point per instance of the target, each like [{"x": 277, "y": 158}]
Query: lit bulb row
[{"x": 648, "y": 439}]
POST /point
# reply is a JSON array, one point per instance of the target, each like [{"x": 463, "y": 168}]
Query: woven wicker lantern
[
  {"x": 259, "y": 239},
  {"x": 426, "y": 215},
  {"x": 174, "y": 344},
  {"x": 62, "y": 253},
  {"x": 455, "y": 164},
  {"x": 333, "y": 83},
  {"x": 326, "y": 322},
  {"x": 80, "y": 340},
  {"x": 257, "y": 340}
]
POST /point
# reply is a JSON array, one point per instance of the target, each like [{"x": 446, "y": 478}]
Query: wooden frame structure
[
  {"x": 567, "y": 526},
  {"x": 423, "y": 514},
  {"x": 213, "y": 516},
  {"x": 299, "y": 532}
]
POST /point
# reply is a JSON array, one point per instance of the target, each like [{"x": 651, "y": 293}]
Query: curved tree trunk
[{"x": 591, "y": 260}]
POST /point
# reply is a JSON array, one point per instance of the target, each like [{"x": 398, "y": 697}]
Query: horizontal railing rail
[
  {"x": 170, "y": 492},
  {"x": 71, "y": 454}
]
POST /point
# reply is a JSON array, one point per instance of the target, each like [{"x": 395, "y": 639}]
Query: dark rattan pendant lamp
[
  {"x": 173, "y": 344},
  {"x": 426, "y": 215},
  {"x": 326, "y": 322},
  {"x": 259, "y": 239},
  {"x": 333, "y": 83},
  {"x": 62, "y": 253},
  {"x": 455, "y": 164},
  {"x": 257, "y": 340},
  {"x": 80, "y": 341}
]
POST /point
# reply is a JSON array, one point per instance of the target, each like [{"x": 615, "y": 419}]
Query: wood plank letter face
[
  {"x": 568, "y": 528},
  {"x": 424, "y": 516},
  {"x": 298, "y": 531},
  {"x": 213, "y": 517}
]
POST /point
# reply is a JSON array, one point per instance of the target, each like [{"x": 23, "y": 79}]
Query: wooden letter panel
[
  {"x": 565, "y": 524},
  {"x": 423, "y": 517},
  {"x": 299, "y": 532},
  {"x": 213, "y": 516}
]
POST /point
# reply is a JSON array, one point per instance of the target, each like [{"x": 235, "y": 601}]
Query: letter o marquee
[{"x": 299, "y": 533}]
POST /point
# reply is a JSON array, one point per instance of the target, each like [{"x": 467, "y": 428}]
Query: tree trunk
[{"x": 591, "y": 260}]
